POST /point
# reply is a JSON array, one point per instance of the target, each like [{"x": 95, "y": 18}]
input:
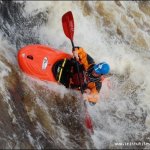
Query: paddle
[{"x": 68, "y": 27}]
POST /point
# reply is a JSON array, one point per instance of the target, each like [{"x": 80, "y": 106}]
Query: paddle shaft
[
  {"x": 72, "y": 45},
  {"x": 77, "y": 65}
]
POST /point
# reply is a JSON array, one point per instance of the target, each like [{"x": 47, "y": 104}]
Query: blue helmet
[{"x": 102, "y": 68}]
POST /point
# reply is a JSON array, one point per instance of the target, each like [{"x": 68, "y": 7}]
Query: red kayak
[{"x": 38, "y": 61}]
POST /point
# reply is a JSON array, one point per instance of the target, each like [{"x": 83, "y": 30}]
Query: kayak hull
[{"x": 38, "y": 60}]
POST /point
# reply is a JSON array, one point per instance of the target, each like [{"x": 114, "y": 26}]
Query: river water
[{"x": 37, "y": 114}]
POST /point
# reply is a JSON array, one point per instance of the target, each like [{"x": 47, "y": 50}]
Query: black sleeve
[
  {"x": 98, "y": 86},
  {"x": 90, "y": 59}
]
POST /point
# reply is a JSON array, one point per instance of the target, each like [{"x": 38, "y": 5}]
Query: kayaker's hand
[
  {"x": 92, "y": 98},
  {"x": 87, "y": 91},
  {"x": 86, "y": 94},
  {"x": 75, "y": 54}
]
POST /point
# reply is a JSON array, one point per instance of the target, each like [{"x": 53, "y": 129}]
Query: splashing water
[{"x": 37, "y": 114}]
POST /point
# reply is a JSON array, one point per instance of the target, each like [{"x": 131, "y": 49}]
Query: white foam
[{"x": 129, "y": 64}]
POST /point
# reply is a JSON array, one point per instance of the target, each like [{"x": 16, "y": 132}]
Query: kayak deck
[{"x": 38, "y": 60}]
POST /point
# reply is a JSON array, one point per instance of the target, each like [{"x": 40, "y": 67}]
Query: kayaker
[{"x": 91, "y": 76}]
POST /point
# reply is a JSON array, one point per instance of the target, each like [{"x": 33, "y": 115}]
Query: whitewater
[{"x": 37, "y": 114}]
